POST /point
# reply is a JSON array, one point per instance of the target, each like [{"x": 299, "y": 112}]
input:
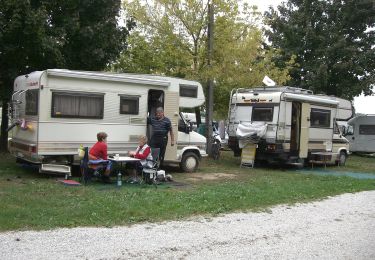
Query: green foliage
[
  {"x": 333, "y": 42},
  {"x": 240, "y": 61},
  {"x": 171, "y": 39},
  {"x": 36, "y": 35},
  {"x": 41, "y": 34},
  {"x": 30, "y": 200},
  {"x": 87, "y": 31}
]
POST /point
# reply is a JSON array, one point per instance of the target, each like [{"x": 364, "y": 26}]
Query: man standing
[{"x": 161, "y": 125}]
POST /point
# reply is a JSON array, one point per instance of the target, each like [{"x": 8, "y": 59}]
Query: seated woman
[
  {"x": 98, "y": 157},
  {"x": 143, "y": 152}
]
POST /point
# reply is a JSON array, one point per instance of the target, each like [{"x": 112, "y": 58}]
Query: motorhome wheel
[
  {"x": 342, "y": 158},
  {"x": 189, "y": 162}
]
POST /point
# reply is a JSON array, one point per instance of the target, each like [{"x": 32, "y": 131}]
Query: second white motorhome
[
  {"x": 298, "y": 126},
  {"x": 360, "y": 132},
  {"x": 55, "y": 111}
]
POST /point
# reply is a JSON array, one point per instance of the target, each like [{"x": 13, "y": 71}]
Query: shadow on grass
[{"x": 324, "y": 172}]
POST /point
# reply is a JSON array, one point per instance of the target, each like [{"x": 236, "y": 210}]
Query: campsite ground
[
  {"x": 34, "y": 201},
  {"x": 339, "y": 227}
]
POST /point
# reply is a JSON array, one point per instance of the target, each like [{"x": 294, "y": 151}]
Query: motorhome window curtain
[{"x": 77, "y": 105}]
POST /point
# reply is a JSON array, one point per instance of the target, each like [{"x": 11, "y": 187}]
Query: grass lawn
[{"x": 30, "y": 200}]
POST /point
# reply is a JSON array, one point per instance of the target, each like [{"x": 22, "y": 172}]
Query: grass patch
[
  {"x": 357, "y": 163},
  {"x": 30, "y": 200}
]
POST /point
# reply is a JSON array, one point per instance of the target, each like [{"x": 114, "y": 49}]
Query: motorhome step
[
  {"x": 296, "y": 164},
  {"x": 57, "y": 168}
]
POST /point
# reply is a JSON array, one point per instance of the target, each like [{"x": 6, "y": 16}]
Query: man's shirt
[{"x": 160, "y": 127}]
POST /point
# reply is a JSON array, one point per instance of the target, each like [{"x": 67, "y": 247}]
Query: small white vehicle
[
  {"x": 55, "y": 111},
  {"x": 360, "y": 132},
  {"x": 296, "y": 125},
  {"x": 219, "y": 133}
]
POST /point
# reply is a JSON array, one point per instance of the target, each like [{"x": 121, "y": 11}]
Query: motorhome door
[
  {"x": 305, "y": 125},
  {"x": 155, "y": 100},
  {"x": 170, "y": 102},
  {"x": 171, "y": 110}
]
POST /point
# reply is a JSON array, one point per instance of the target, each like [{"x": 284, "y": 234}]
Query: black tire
[
  {"x": 342, "y": 159},
  {"x": 189, "y": 162}
]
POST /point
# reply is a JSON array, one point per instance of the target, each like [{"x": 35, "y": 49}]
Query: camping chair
[
  {"x": 149, "y": 174},
  {"x": 87, "y": 169}
]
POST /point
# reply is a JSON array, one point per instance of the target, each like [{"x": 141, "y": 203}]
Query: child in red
[{"x": 98, "y": 156}]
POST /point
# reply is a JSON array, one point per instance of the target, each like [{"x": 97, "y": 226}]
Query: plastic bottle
[
  {"x": 119, "y": 179},
  {"x": 81, "y": 151}
]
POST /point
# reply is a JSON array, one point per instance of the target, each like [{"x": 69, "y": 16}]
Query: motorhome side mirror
[{"x": 188, "y": 127}]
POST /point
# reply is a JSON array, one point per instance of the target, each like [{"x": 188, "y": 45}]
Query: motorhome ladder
[
  {"x": 14, "y": 106},
  {"x": 232, "y": 111}
]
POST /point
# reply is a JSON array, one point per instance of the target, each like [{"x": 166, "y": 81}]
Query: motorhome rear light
[{"x": 32, "y": 149}]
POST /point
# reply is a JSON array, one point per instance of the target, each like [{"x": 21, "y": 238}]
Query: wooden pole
[{"x": 210, "y": 85}]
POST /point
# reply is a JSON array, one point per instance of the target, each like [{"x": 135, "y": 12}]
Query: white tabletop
[{"x": 123, "y": 159}]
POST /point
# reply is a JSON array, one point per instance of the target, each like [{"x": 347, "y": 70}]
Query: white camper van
[
  {"x": 360, "y": 131},
  {"x": 290, "y": 125},
  {"x": 55, "y": 111}
]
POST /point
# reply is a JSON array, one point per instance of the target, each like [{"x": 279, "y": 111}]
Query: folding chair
[
  {"x": 149, "y": 173},
  {"x": 87, "y": 171}
]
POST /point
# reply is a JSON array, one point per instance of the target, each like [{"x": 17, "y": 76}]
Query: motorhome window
[
  {"x": 181, "y": 125},
  {"x": 73, "y": 105},
  {"x": 188, "y": 91},
  {"x": 320, "y": 118},
  {"x": 32, "y": 96},
  {"x": 367, "y": 129},
  {"x": 262, "y": 114},
  {"x": 129, "y": 105}
]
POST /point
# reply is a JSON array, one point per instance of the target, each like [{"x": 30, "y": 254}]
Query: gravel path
[{"x": 341, "y": 227}]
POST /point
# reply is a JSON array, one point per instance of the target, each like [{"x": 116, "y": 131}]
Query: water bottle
[
  {"x": 81, "y": 151},
  {"x": 119, "y": 179}
]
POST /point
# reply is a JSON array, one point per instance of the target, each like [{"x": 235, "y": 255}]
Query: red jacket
[
  {"x": 99, "y": 151},
  {"x": 144, "y": 153}
]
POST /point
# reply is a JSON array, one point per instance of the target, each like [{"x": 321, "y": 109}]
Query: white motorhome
[
  {"x": 55, "y": 111},
  {"x": 298, "y": 125},
  {"x": 360, "y": 131}
]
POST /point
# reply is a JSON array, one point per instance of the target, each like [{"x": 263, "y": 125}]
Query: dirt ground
[{"x": 197, "y": 177}]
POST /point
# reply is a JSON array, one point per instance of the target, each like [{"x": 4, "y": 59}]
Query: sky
[
  {"x": 362, "y": 104},
  {"x": 264, "y": 4}
]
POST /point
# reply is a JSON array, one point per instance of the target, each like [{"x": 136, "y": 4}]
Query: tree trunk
[{"x": 4, "y": 126}]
